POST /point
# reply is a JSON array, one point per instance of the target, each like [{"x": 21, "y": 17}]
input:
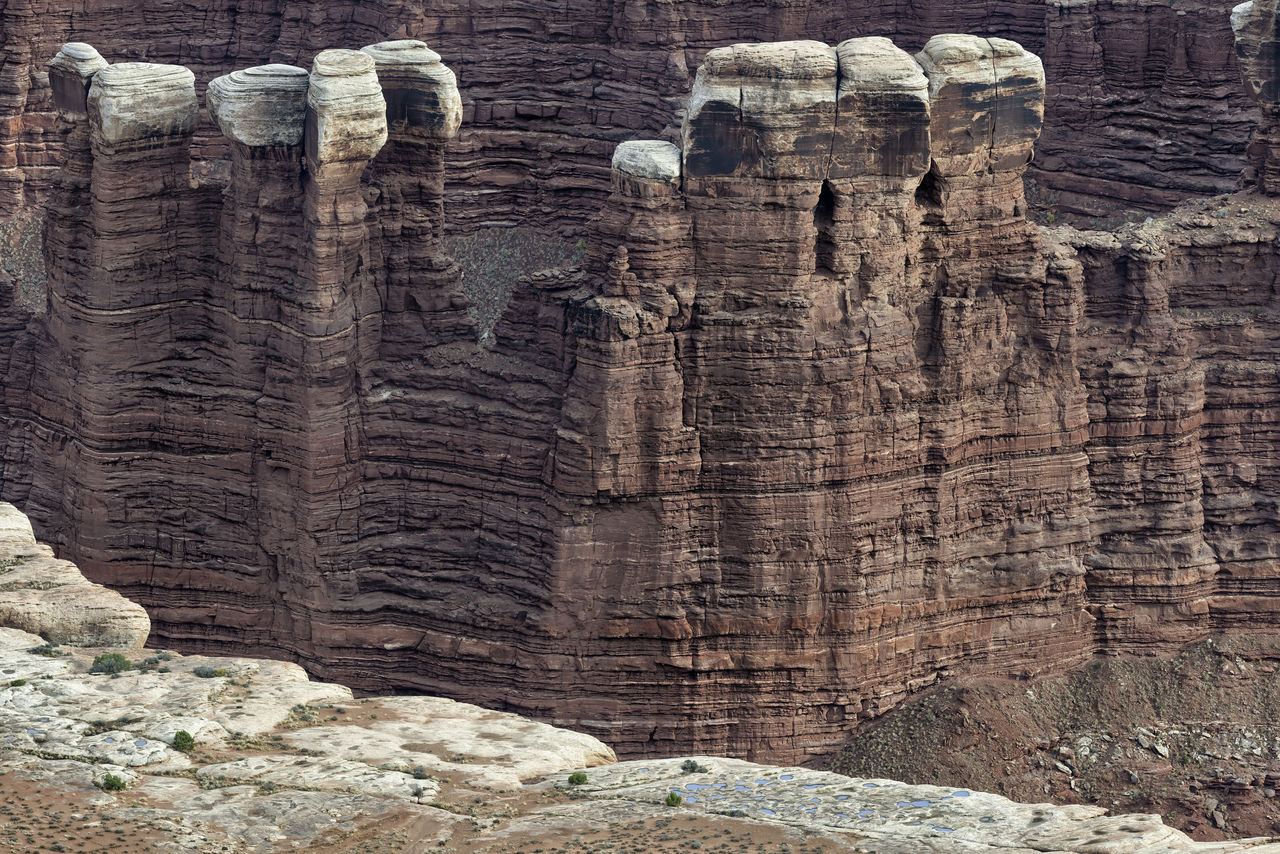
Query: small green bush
[
  {"x": 112, "y": 783},
  {"x": 577, "y": 778},
  {"x": 420, "y": 773},
  {"x": 674, "y": 800},
  {"x": 48, "y": 650},
  {"x": 204, "y": 671},
  {"x": 17, "y": 683},
  {"x": 183, "y": 742},
  {"x": 110, "y": 662}
]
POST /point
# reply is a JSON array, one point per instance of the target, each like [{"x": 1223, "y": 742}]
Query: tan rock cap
[
  {"x": 261, "y": 106},
  {"x": 71, "y": 73},
  {"x": 132, "y": 101},
  {"x": 421, "y": 91},
  {"x": 347, "y": 115}
]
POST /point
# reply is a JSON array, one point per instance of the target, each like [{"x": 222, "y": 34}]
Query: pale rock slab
[
  {"x": 762, "y": 111},
  {"x": 892, "y": 817},
  {"x": 261, "y": 106},
  {"x": 648, "y": 159},
  {"x": 45, "y": 596},
  {"x": 324, "y": 774},
  {"x": 135, "y": 101},
  {"x": 459, "y": 740},
  {"x": 420, "y": 90}
]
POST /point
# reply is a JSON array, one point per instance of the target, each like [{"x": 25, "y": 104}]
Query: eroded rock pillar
[
  {"x": 879, "y": 156},
  {"x": 114, "y": 258},
  {"x": 312, "y": 406},
  {"x": 987, "y": 99},
  {"x": 625, "y": 434},
  {"x": 262, "y": 111},
  {"x": 422, "y": 302},
  {"x": 67, "y": 219}
]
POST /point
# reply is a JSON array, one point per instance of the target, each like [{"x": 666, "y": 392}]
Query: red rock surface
[
  {"x": 822, "y": 419},
  {"x": 1144, "y": 106}
]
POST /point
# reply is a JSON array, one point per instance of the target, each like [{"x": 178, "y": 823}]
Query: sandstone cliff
[
  {"x": 1143, "y": 109},
  {"x": 821, "y": 420}
]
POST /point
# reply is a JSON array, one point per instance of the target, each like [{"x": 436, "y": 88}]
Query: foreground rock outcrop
[
  {"x": 1143, "y": 107},
  {"x": 280, "y": 763}
]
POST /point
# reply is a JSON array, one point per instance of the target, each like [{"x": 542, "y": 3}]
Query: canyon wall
[
  {"x": 1144, "y": 106},
  {"x": 821, "y": 420}
]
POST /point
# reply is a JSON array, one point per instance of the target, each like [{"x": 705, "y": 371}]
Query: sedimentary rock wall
[
  {"x": 822, "y": 419},
  {"x": 1143, "y": 108}
]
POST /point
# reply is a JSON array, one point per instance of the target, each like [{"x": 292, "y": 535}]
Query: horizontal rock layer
[{"x": 1143, "y": 110}]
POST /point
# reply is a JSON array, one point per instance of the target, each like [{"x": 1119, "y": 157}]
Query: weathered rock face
[
  {"x": 1254, "y": 24},
  {"x": 821, "y": 419},
  {"x": 1143, "y": 104},
  {"x": 273, "y": 761},
  {"x": 1151, "y": 86},
  {"x": 780, "y": 428}
]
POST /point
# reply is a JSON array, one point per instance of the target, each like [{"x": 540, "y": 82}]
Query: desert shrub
[
  {"x": 420, "y": 773},
  {"x": 577, "y": 778},
  {"x": 17, "y": 683},
  {"x": 110, "y": 662},
  {"x": 112, "y": 783},
  {"x": 204, "y": 671},
  {"x": 48, "y": 650},
  {"x": 183, "y": 741},
  {"x": 674, "y": 800}
]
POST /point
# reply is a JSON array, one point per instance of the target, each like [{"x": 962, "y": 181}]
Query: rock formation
[
  {"x": 821, "y": 420},
  {"x": 1143, "y": 107},
  {"x": 45, "y": 596},
  {"x": 1254, "y": 24},
  {"x": 274, "y": 762}
]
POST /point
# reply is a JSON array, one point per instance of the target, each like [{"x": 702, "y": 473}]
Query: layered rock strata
[
  {"x": 759, "y": 429},
  {"x": 1254, "y": 24},
  {"x": 274, "y": 761},
  {"x": 1143, "y": 107},
  {"x": 821, "y": 420}
]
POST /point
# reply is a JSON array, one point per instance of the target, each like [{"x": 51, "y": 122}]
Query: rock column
[
  {"x": 421, "y": 293},
  {"x": 625, "y": 435},
  {"x": 878, "y": 159},
  {"x": 262, "y": 111},
  {"x": 70, "y": 75},
  {"x": 1258, "y": 52},
  {"x": 115, "y": 271},
  {"x": 311, "y": 405}
]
